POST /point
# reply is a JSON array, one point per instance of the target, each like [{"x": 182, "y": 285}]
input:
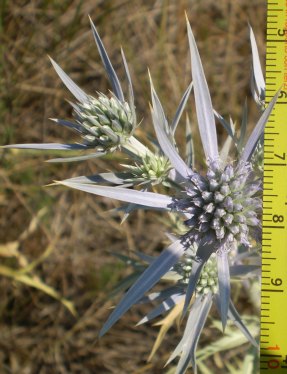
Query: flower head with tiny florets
[
  {"x": 152, "y": 168},
  {"x": 223, "y": 205},
  {"x": 208, "y": 280},
  {"x": 104, "y": 122}
]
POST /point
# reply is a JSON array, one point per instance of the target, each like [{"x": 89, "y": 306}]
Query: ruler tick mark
[{"x": 273, "y": 344}]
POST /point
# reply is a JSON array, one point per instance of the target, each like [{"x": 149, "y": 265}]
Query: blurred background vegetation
[{"x": 55, "y": 243}]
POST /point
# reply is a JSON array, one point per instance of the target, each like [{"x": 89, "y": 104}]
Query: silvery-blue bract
[{"x": 221, "y": 207}]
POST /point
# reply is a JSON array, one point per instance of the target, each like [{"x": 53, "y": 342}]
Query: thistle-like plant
[{"x": 220, "y": 207}]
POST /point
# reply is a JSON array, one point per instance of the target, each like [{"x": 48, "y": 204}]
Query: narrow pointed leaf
[
  {"x": 164, "y": 307},
  {"x": 150, "y": 199},
  {"x": 234, "y": 316},
  {"x": 204, "y": 110},
  {"x": 258, "y": 130},
  {"x": 170, "y": 152},
  {"x": 225, "y": 151},
  {"x": 161, "y": 295},
  {"x": 68, "y": 124},
  {"x": 254, "y": 93},
  {"x": 79, "y": 94},
  {"x": 256, "y": 67},
  {"x": 224, "y": 285},
  {"x": 189, "y": 144},
  {"x": 159, "y": 122},
  {"x": 113, "y": 178},
  {"x": 107, "y": 65},
  {"x": 49, "y": 146},
  {"x": 125, "y": 284},
  {"x": 131, "y": 91},
  {"x": 226, "y": 125},
  {"x": 195, "y": 323},
  {"x": 77, "y": 158},
  {"x": 188, "y": 331},
  {"x": 129, "y": 208},
  {"x": 128, "y": 75},
  {"x": 243, "y": 126},
  {"x": 180, "y": 108},
  {"x": 145, "y": 282},
  {"x": 158, "y": 109},
  {"x": 205, "y": 308},
  {"x": 188, "y": 355}
]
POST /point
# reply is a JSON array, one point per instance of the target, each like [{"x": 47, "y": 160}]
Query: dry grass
[{"x": 37, "y": 333}]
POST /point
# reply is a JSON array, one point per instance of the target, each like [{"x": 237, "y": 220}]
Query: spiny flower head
[
  {"x": 104, "y": 122},
  {"x": 222, "y": 205},
  {"x": 208, "y": 280},
  {"x": 152, "y": 168}
]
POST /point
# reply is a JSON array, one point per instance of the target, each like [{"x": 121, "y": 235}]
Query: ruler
[{"x": 273, "y": 330}]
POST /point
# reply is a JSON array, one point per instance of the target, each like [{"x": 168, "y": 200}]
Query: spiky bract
[
  {"x": 152, "y": 168},
  {"x": 208, "y": 280},
  {"x": 222, "y": 205}
]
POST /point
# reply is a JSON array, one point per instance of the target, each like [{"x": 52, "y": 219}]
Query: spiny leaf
[
  {"x": 162, "y": 308},
  {"x": 131, "y": 91},
  {"x": 180, "y": 108},
  {"x": 189, "y": 144},
  {"x": 145, "y": 282},
  {"x": 195, "y": 323},
  {"x": 256, "y": 67},
  {"x": 107, "y": 64},
  {"x": 79, "y": 94},
  {"x": 113, "y": 178},
  {"x": 224, "y": 285},
  {"x": 258, "y": 130},
  {"x": 150, "y": 199},
  {"x": 77, "y": 158},
  {"x": 48, "y": 146},
  {"x": 226, "y": 125},
  {"x": 204, "y": 110},
  {"x": 69, "y": 124},
  {"x": 205, "y": 308},
  {"x": 160, "y": 124},
  {"x": 224, "y": 153},
  {"x": 243, "y": 126},
  {"x": 234, "y": 316}
]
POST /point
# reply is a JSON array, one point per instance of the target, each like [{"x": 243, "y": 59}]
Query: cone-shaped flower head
[
  {"x": 153, "y": 168},
  {"x": 104, "y": 122},
  {"x": 208, "y": 280},
  {"x": 222, "y": 205}
]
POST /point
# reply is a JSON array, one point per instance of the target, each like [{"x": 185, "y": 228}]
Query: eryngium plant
[{"x": 220, "y": 207}]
